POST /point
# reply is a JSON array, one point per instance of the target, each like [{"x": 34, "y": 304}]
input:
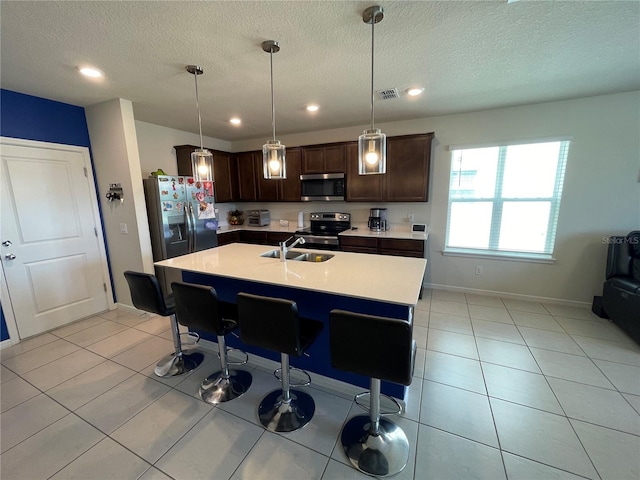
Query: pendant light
[
  {"x": 273, "y": 152},
  {"x": 201, "y": 158},
  {"x": 372, "y": 144}
]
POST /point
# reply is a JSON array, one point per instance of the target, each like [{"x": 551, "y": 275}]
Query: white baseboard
[
  {"x": 515, "y": 296},
  {"x": 5, "y": 344}
]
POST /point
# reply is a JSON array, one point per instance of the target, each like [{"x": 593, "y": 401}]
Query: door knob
[
  {"x": 10, "y": 256},
  {"x": 7, "y": 243}
]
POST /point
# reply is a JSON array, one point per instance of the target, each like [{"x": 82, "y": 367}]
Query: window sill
[{"x": 509, "y": 256}]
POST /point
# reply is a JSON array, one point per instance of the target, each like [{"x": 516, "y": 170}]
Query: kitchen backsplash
[{"x": 397, "y": 213}]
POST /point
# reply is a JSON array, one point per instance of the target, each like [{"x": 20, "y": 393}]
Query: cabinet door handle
[{"x": 10, "y": 256}]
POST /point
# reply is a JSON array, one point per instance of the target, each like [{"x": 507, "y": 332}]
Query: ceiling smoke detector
[{"x": 388, "y": 94}]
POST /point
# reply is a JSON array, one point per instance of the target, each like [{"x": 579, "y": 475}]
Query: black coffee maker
[{"x": 378, "y": 219}]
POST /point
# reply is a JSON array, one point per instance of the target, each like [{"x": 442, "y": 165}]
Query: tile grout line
[
  {"x": 346, "y": 419},
  {"x": 493, "y": 417},
  {"x": 560, "y": 403}
]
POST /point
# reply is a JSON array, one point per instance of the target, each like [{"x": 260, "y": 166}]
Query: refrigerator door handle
[
  {"x": 192, "y": 230},
  {"x": 187, "y": 221}
]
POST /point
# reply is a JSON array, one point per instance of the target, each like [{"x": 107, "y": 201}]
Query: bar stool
[
  {"x": 383, "y": 349},
  {"x": 198, "y": 307},
  {"x": 274, "y": 324},
  {"x": 146, "y": 295}
]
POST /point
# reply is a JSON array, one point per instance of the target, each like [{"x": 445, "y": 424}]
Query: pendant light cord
[
  {"x": 373, "y": 23},
  {"x": 273, "y": 106},
  {"x": 198, "y": 107}
]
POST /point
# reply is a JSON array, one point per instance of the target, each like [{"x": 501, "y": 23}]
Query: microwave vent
[{"x": 388, "y": 94}]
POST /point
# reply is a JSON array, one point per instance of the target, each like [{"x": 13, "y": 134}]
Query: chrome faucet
[{"x": 284, "y": 249}]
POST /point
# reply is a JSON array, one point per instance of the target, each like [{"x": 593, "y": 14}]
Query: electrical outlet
[
  {"x": 479, "y": 269},
  {"x": 123, "y": 228},
  {"x": 411, "y": 217}
]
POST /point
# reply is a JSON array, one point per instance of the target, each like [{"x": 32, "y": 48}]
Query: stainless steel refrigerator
[{"x": 182, "y": 219}]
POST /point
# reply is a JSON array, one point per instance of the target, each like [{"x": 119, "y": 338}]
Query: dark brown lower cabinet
[
  {"x": 383, "y": 246},
  {"x": 401, "y": 247},
  {"x": 253, "y": 236},
  {"x": 274, "y": 238},
  {"x": 228, "y": 237},
  {"x": 359, "y": 244}
]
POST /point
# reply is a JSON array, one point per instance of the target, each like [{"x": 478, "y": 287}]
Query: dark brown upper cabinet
[
  {"x": 225, "y": 176},
  {"x": 407, "y": 177},
  {"x": 287, "y": 190},
  {"x": 328, "y": 158},
  {"x": 239, "y": 176},
  {"x": 361, "y": 188},
  {"x": 246, "y": 163}
]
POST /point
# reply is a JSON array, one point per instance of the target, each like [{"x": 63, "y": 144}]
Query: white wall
[
  {"x": 115, "y": 152},
  {"x": 156, "y": 146},
  {"x": 601, "y": 195}
]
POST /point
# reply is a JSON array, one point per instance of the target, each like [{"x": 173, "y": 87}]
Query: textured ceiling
[{"x": 469, "y": 55}]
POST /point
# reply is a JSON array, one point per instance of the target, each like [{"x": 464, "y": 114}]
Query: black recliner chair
[{"x": 621, "y": 292}]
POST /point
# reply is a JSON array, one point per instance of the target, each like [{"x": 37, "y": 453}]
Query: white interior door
[{"x": 53, "y": 259}]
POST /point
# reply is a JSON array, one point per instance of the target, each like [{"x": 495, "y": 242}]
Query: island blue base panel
[{"x": 314, "y": 305}]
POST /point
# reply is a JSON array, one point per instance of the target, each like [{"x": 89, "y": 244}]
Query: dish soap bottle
[{"x": 300, "y": 220}]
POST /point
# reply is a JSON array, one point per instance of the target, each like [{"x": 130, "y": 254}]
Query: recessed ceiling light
[
  {"x": 91, "y": 72},
  {"x": 413, "y": 91},
  {"x": 312, "y": 108},
  {"x": 235, "y": 121}
]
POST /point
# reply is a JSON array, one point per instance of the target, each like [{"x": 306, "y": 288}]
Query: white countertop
[
  {"x": 373, "y": 277},
  {"x": 396, "y": 231},
  {"x": 274, "y": 226}
]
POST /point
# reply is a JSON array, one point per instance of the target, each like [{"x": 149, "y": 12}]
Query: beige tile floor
[{"x": 503, "y": 388}]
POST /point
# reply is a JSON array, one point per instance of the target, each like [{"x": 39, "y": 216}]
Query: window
[{"x": 504, "y": 200}]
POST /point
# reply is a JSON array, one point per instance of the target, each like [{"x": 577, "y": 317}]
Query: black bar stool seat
[
  {"x": 146, "y": 295},
  {"x": 274, "y": 324},
  {"x": 383, "y": 349},
  {"x": 198, "y": 308}
]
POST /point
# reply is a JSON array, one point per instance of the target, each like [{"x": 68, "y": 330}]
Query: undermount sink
[
  {"x": 314, "y": 257},
  {"x": 292, "y": 255},
  {"x": 299, "y": 256}
]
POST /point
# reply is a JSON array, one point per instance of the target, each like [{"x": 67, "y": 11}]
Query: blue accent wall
[{"x": 34, "y": 118}]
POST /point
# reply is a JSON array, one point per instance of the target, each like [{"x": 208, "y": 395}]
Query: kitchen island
[{"x": 372, "y": 284}]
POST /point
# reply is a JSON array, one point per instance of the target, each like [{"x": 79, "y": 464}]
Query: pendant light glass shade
[
  {"x": 372, "y": 152},
  {"x": 273, "y": 160},
  {"x": 202, "y": 165},
  {"x": 201, "y": 158},
  {"x": 273, "y": 152},
  {"x": 372, "y": 144}
]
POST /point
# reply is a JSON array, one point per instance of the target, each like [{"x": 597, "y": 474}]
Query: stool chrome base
[
  {"x": 278, "y": 416},
  {"x": 379, "y": 455},
  {"x": 217, "y": 389},
  {"x": 172, "y": 364}
]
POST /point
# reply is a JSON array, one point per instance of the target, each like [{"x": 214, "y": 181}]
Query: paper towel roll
[{"x": 300, "y": 220}]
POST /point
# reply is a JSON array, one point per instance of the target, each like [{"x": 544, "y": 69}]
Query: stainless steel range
[{"x": 322, "y": 234}]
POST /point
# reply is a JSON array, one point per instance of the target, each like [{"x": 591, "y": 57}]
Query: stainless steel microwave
[{"x": 323, "y": 187}]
